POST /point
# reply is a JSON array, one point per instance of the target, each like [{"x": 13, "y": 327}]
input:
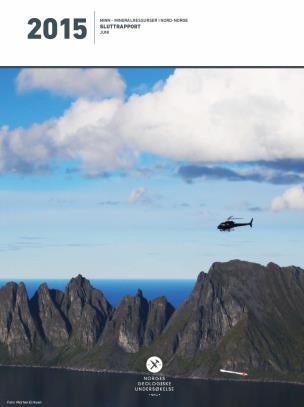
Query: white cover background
[{"x": 219, "y": 32}]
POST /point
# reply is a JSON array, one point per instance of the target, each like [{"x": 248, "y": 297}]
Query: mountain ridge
[{"x": 239, "y": 316}]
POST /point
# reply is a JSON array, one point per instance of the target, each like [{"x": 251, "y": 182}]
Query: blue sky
[{"x": 96, "y": 179}]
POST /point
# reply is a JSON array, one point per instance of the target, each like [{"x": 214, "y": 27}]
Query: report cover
[{"x": 151, "y": 223}]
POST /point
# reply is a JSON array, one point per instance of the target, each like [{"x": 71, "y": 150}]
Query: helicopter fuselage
[{"x": 230, "y": 224}]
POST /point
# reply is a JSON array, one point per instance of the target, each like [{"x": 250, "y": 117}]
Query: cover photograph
[{"x": 151, "y": 214}]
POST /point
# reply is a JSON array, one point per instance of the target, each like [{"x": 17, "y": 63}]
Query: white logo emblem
[{"x": 154, "y": 364}]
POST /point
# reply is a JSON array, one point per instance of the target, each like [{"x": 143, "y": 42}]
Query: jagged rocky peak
[
  {"x": 53, "y": 326},
  {"x": 80, "y": 292},
  {"x": 7, "y": 301},
  {"x": 160, "y": 311},
  {"x": 239, "y": 316},
  {"x": 131, "y": 317},
  {"x": 8, "y": 294},
  {"x": 17, "y": 328},
  {"x": 78, "y": 287},
  {"x": 51, "y": 317},
  {"x": 201, "y": 277},
  {"x": 86, "y": 309},
  {"x": 127, "y": 327},
  {"x": 137, "y": 322},
  {"x": 139, "y": 293}
]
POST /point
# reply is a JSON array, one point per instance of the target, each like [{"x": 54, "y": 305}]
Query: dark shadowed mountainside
[{"x": 240, "y": 316}]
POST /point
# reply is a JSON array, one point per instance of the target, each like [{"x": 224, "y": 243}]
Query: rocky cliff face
[
  {"x": 240, "y": 316},
  {"x": 79, "y": 317},
  {"x": 160, "y": 311},
  {"x": 51, "y": 318},
  {"x": 87, "y": 311},
  {"x": 17, "y": 327},
  {"x": 137, "y": 322},
  {"x": 127, "y": 327},
  {"x": 54, "y": 327}
]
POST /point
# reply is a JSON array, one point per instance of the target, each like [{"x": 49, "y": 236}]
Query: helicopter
[{"x": 229, "y": 224}]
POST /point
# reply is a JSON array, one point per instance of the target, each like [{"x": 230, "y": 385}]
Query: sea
[
  {"x": 64, "y": 388},
  {"x": 176, "y": 291}
]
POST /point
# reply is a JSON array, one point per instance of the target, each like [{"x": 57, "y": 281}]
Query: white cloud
[
  {"x": 83, "y": 133},
  {"x": 136, "y": 195},
  {"x": 219, "y": 115},
  {"x": 197, "y": 115},
  {"x": 92, "y": 83},
  {"x": 293, "y": 198}
]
